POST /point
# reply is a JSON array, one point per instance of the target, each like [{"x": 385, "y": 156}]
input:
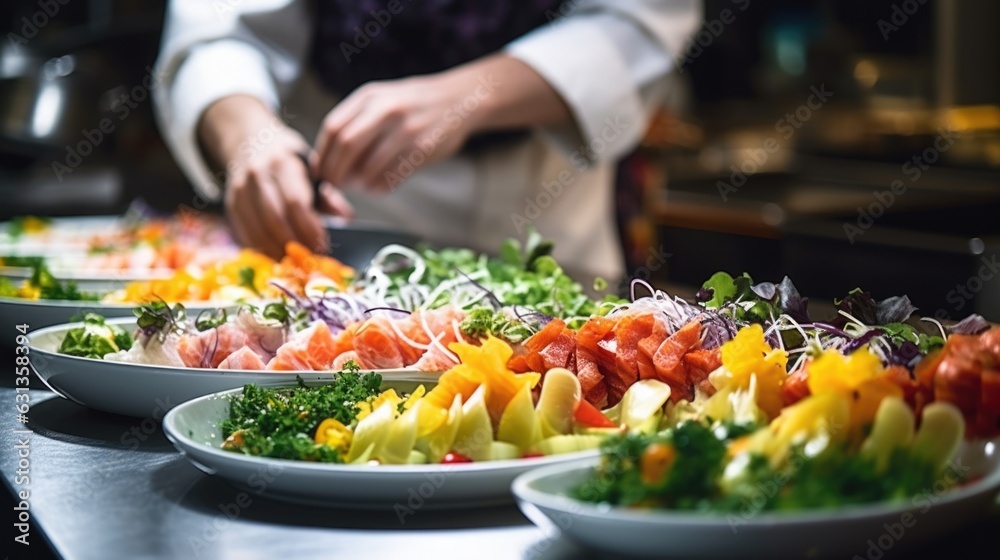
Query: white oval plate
[
  {"x": 543, "y": 495},
  {"x": 47, "y": 312},
  {"x": 193, "y": 427},
  {"x": 146, "y": 390}
]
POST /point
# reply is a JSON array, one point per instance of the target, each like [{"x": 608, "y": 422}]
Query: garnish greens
[
  {"x": 158, "y": 318},
  {"x": 210, "y": 319},
  {"x": 95, "y": 338},
  {"x": 482, "y": 321},
  {"x": 42, "y": 285},
  {"x": 521, "y": 277},
  {"x": 683, "y": 469},
  {"x": 281, "y": 423}
]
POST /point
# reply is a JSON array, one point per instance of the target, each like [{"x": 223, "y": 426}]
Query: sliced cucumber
[
  {"x": 500, "y": 450},
  {"x": 941, "y": 431},
  {"x": 440, "y": 441},
  {"x": 416, "y": 458},
  {"x": 519, "y": 423},
  {"x": 402, "y": 435},
  {"x": 642, "y": 401},
  {"x": 372, "y": 431},
  {"x": 567, "y": 444},
  {"x": 475, "y": 431},
  {"x": 893, "y": 428},
  {"x": 560, "y": 396}
]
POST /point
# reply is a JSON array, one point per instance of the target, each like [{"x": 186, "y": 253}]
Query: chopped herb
[{"x": 282, "y": 423}]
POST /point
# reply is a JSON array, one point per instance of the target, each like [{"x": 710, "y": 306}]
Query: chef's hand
[
  {"x": 383, "y": 131},
  {"x": 268, "y": 191}
]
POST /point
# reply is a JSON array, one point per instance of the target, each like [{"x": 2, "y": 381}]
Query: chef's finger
[
  {"x": 355, "y": 140},
  {"x": 272, "y": 229},
  {"x": 296, "y": 188},
  {"x": 333, "y": 202},
  {"x": 240, "y": 211},
  {"x": 377, "y": 171},
  {"x": 339, "y": 117}
]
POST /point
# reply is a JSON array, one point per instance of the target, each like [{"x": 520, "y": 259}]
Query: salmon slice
[
  {"x": 592, "y": 384},
  {"x": 651, "y": 343},
  {"x": 559, "y": 351},
  {"x": 589, "y": 352},
  {"x": 377, "y": 346},
  {"x": 242, "y": 359},
  {"x": 669, "y": 364},
  {"x": 546, "y": 336},
  {"x": 704, "y": 360},
  {"x": 344, "y": 341},
  {"x": 959, "y": 382},
  {"x": 518, "y": 362},
  {"x": 321, "y": 348},
  {"x": 434, "y": 360},
  {"x": 209, "y": 348},
  {"x": 796, "y": 387},
  {"x": 290, "y": 357},
  {"x": 628, "y": 332},
  {"x": 988, "y": 418}
]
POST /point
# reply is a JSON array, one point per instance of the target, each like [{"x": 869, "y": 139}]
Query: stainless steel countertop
[{"x": 97, "y": 491}]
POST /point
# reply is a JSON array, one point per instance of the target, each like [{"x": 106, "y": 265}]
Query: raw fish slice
[
  {"x": 376, "y": 344},
  {"x": 242, "y": 359},
  {"x": 207, "y": 349},
  {"x": 264, "y": 339}
]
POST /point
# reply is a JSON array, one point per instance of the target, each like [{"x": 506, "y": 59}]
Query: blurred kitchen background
[{"x": 775, "y": 154}]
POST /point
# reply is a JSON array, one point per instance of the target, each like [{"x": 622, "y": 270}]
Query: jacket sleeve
[
  {"x": 211, "y": 50},
  {"x": 609, "y": 60}
]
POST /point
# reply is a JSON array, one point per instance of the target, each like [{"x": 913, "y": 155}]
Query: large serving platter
[
  {"x": 146, "y": 390},
  {"x": 193, "y": 427},
  {"x": 38, "y": 314},
  {"x": 868, "y": 531}
]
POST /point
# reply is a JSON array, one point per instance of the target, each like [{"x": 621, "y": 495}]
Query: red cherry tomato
[
  {"x": 455, "y": 458},
  {"x": 532, "y": 455}
]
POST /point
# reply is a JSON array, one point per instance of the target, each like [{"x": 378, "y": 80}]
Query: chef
[{"x": 463, "y": 121}]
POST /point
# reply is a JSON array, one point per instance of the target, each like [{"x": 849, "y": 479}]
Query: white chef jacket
[{"x": 609, "y": 60}]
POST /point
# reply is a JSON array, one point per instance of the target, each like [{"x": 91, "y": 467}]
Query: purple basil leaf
[
  {"x": 764, "y": 290},
  {"x": 973, "y": 324},
  {"x": 703, "y": 295},
  {"x": 896, "y": 309},
  {"x": 791, "y": 302},
  {"x": 859, "y": 305}
]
